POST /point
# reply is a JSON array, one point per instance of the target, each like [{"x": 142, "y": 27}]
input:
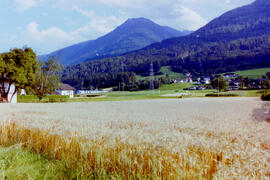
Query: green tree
[
  {"x": 48, "y": 77},
  {"x": 220, "y": 83},
  {"x": 17, "y": 67},
  {"x": 266, "y": 84}
]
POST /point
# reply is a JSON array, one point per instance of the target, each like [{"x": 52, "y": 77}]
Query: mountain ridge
[
  {"x": 237, "y": 40},
  {"x": 133, "y": 34}
]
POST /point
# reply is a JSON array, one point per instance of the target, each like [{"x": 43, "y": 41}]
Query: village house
[
  {"x": 10, "y": 94},
  {"x": 207, "y": 80},
  {"x": 188, "y": 80},
  {"x": 230, "y": 75},
  {"x": 233, "y": 85},
  {"x": 188, "y": 74},
  {"x": 66, "y": 90}
]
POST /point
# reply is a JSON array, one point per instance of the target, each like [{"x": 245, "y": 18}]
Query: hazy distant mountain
[
  {"x": 239, "y": 39},
  {"x": 134, "y": 34}
]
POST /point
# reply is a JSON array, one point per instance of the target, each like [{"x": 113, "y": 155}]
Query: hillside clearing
[
  {"x": 165, "y": 70},
  {"x": 253, "y": 73}
]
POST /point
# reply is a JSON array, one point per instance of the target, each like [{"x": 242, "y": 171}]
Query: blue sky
[{"x": 48, "y": 25}]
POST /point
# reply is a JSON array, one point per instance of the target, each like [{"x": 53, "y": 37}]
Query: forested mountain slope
[{"x": 239, "y": 39}]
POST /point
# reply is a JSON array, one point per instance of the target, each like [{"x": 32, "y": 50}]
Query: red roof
[{"x": 66, "y": 87}]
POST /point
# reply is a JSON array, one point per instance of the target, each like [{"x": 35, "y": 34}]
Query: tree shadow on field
[{"x": 262, "y": 113}]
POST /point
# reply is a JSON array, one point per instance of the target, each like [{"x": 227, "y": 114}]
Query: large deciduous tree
[
  {"x": 17, "y": 67},
  {"x": 48, "y": 77},
  {"x": 220, "y": 83}
]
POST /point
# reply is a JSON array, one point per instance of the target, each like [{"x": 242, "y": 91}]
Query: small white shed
[{"x": 66, "y": 90}]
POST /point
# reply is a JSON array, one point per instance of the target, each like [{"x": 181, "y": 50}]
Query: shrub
[
  {"x": 47, "y": 99},
  {"x": 266, "y": 96},
  {"x": 221, "y": 95},
  {"x": 57, "y": 98},
  {"x": 92, "y": 95},
  {"x": 28, "y": 99}
]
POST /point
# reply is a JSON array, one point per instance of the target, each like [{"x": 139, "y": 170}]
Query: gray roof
[{"x": 66, "y": 87}]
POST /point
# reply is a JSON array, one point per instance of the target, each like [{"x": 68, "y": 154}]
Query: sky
[{"x": 49, "y": 25}]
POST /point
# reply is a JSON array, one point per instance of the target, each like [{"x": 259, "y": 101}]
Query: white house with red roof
[{"x": 66, "y": 90}]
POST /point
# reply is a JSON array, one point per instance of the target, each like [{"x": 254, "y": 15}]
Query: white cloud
[
  {"x": 189, "y": 18},
  {"x": 47, "y": 40},
  {"x": 102, "y": 16},
  {"x": 23, "y": 5},
  {"x": 180, "y": 14},
  {"x": 53, "y": 38},
  {"x": 99, "y": 24},
  {"x": 122, "y": 3},
  {"x": 52, "y": 33},
  {"x": 174, "y": 13}
]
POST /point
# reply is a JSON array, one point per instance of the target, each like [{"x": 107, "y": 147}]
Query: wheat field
[{"x": 196, "y": 138}]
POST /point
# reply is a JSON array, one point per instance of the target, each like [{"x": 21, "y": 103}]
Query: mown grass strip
[{"x": 16, "y": 163}]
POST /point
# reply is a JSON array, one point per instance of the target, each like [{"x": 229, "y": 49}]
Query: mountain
[
  {"x": 134, "y": 34},
  {"x": 250, "y": 20},
  {"x": 237, "y": 40}
]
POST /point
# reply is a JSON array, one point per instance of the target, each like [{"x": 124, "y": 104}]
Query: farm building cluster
[{"x": 63, "y": 90}]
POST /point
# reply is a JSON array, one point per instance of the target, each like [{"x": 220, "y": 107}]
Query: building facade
[
  {"x": 66, "y": 90},
  {"x": 10, "y": 94}
]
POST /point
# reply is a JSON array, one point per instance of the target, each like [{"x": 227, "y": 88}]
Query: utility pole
[
  {"x": 123, "y": 80},
  {"x": 218, "y": 87},
  {"x": 119, "y": 88},
  {"x": 159, "y": 86},
  {"x": 123, "y": 88},
  {"x": 151, "y": 74}
]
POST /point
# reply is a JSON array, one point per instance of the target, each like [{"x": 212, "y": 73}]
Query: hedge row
[
  {"x": 46, "y": 99},
  {"x": 266, "y": 96},
  {"x": 221, "y": 95}
]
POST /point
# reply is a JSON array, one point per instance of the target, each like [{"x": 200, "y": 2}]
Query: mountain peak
[
  {"x": 133, "y": 34},
  {"x": 140, "y": 19},
  {"x": 138, "y": 22}
]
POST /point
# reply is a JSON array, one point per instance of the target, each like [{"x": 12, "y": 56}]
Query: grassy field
[
  {"x": 164, "y": 70},
  {"x": 254, "y": 73},
  {"x": 18, "y": 163},
  {"x": 193, "y": 138},
  {"x": 118, "y": 96},
  {"x": 167, "y": 91}
]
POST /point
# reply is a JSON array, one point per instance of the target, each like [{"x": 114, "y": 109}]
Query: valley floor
[{"x": 216, "y": 138}]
